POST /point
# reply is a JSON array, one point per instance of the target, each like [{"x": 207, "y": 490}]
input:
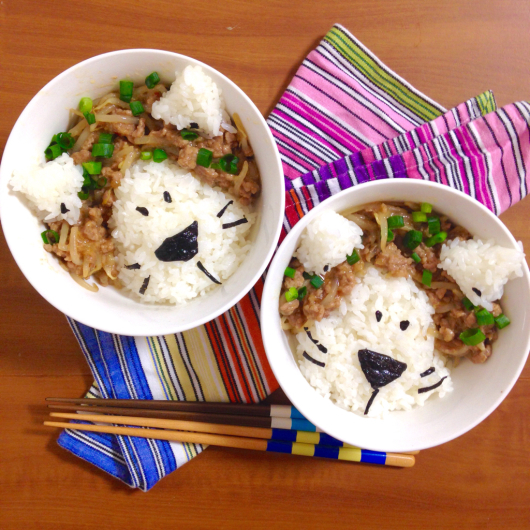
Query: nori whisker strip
[
  {"x": 144, "y": 211},
  {"x": 403, "y": 325},
  {"x": 314, "y": 361},
  {"x": 223, "y": 210},
  {"x": 235, "y": 223},
  {"x": 477, "y": 291},
  {"x": 431, "y": 370},
  {"x": 203, "y": 269},
  {"x": 143, "y": 288},
  {"x": 167, "y": 197},
  {"x": 378, "y": 316},
  {"x": 133, "y": 267},
  {"x": 429, "y": 388},
  {"x": 323, "y": 349},
  {"x": 64, "y": 209},
  {"x": 194, "y": 125},
  {"x": 326, "y": 268},
  {"x": 371, "y": 400}
]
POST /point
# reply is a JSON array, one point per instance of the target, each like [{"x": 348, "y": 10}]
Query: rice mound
[
  {"x": 353, "y": 326},
  {"x": 194, "y": 97},
  {"x": 327, "y": 240},
  {"x": 48, "y": 185},
  {"x": 482, "y": 265},
  {"x": 137, "y": 237}
]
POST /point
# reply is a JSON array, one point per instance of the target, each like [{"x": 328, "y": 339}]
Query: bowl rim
[
  {"x": 170, "y": 328},
  {"x": 277, "y": 362}
]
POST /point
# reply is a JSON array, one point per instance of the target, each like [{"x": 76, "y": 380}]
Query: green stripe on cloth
[
  {"x": 380, "y": 77},
  {"x": 486, "y": 102}
]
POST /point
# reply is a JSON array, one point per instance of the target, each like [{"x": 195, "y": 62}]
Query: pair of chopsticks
[{"x": 239, "y": 426}]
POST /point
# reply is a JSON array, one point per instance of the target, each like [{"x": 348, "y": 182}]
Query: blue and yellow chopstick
[{"x": 231, "y": 436}]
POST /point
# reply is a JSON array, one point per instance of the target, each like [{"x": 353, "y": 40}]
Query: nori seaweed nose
[
  {"x": 180, "y": 247},
  {"x": 380, "y": 369}
]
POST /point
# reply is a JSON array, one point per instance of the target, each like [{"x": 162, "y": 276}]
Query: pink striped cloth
[{"x": 346, "y": 119}]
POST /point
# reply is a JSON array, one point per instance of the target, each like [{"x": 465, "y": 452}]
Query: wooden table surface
[{"x": 451, "y": 51}]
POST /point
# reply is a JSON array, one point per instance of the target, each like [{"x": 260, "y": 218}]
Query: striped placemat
[{"x": 346, "y": 118}]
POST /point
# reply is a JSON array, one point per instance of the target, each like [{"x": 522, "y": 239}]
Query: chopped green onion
[
  {"x": 46, "y": 236},
  {"x": 136, "y": 107},
  {"x": 426, "y": 207},
  {"x": 92, "y": 168},
  {"x": 83, "y": 195},
  {"x": 433, "y": 224},
  {"x": 87, "y": 183},
  {"x": 434, "y": 240},
  {"x": 412, "y": 239},
  {"x": 215, "y": 165},
  {"x": 188, "y": 135},
  {"x": 228, "y": 164},
  {"x": 472, "y": 337},
  {"x": 426, "y": 277},
  {"x": 85, "y": 105},
  {"x": 390, "y": 236},
  {"x": 291, "y": 294},
  {"x": 146, "y": 155},
  {"x": 65, "y": 140},
  {"x": 419, "y": 217},
  {"x": 204, "y": 157},
  {"x": 316, "y": 281},
  {"x": 307, "y": 276},
  {"x": 353, "y": 258},
  {"x": 126, "y": 90},
  {"x": 302, "y": 292},
  {"x": 290, "y": 272},
  {"x": 502, "y": 321},
  {"x": 415, "y": 257},
  {"x": 395, "y": 221},
  {"x": 159, "y": 155},
  {"x": 105, "y": 138},
  {"x": 90, "y": 118},
  {"x": 466, "y": 302},
  {"x": 152, "y": 80},
  {"x": 484, "y": 317},
  {"x": 53, "y": 152},
  {"x": 101, "y": 182},
  {"x": 105, "y": 150}
]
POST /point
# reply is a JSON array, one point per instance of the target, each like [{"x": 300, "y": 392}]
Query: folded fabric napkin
[{"x": 345, "y": 119}]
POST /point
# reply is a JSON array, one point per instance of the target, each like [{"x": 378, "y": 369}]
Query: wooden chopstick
[
  {"x": 336, "y": 453},
  {"x": 240, "y": 409},
  {"x": 224, "y": 419}
]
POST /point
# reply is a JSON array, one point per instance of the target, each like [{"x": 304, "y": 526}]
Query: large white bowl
[
  {"x": 478, "y": 389},
  {"x": 109, "y": 310}
]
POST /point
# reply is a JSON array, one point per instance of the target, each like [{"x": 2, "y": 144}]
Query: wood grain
[{"x": 450, "y": 50}]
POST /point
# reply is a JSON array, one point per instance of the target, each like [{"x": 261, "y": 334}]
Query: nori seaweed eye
[
  {"x": 378, "y": 316},
  {"x": 404, "y": 324}
]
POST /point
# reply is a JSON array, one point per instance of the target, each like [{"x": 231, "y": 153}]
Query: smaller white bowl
[
  {"x": 478, "y": 389},
  {"x": 109, "y": 310}
]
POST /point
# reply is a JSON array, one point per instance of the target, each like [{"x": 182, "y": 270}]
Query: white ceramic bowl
[
  {"x": 478, "y": 389},
  {"x": 109, "y": 310}
]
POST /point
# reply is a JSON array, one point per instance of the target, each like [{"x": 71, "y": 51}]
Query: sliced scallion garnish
[
  {"x": 90, "y": 118},
  {"x": 146, "y": 155},
  {"x": 412, "y": 239},
  {"x": 290, "y": 272},
  {"x": 126, "y": 90},
  {"x": 188, "y": 135},
  {"x": 204, "y": 157},
  {"x": 47, "y": 234},
  {"x": 415, "y": 257},
  {"x": 104, "y": 150},
  {"x": 390, "y": 236},
  {"x": 426, "y": 278},
  {"x": 83, "y": 195},
  {"x": 152, "y": 80},
  {"x": 291, "y": 294},
  {"x": 316, "y": 282},
  {"x": 85, "y": 105},
  {"x": 228, "y": 164},
  {"x": 426, "y": 207},
  {"x": 434, "y": 240},
  {"x": 159, "y": 155},
  {"x": 53, "y": 151},
  {"x": 433, "y": 224},
  {"x": 472, "y": 337},
  {"x": 395, "y": 221},
  {"x": 484, "y": 317},
  {"x": 466, "y": 302},
  {"x": 105, "y": 138},
  {"x": 302, "y": 292},
  {"x": 65, "y": 140},
  {"x": 92, "y": 168},
  {"x": 136, "y": 107},
  {"x": 353, "y": 258},
  {"x": 502, "y": 321},
  {"x": 419, "y": 217}
]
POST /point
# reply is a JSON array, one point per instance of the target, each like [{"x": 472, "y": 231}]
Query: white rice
[
  {"x": 193, "y": 97},
  {"x": 482, "y": 265},
  {"x": 221, "y": 251},
  {"x": 327, "y": 240},
  {"x": 48, "y": 185},
  {"x": 354, "y": 326}
]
